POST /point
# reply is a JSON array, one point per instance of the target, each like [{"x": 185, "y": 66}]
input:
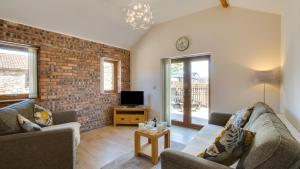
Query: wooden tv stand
[{"x": 130, "y": 115}]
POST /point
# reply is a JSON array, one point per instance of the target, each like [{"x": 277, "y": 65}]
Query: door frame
[{"x": 187, "y": 113}]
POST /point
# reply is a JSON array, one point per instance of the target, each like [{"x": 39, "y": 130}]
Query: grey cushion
[
  {"x": 259, "y": 109},
  {"x": 27, "y": 125},
  {"x": 273, "y": 145},
  {"x": 25, "y": 108},
  {"x": 205, "y": 138},
  {"x": 171, "y": 159},
  {"x": 8, "y": 121},
  {"x": 8, "y": 116},
  {"x": 75, "y": 126},
  {"x": 296, "y": 163}
]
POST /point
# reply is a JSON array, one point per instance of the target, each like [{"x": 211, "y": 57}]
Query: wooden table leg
[
  {"x": 167, "y": 140},
  {"x": 137, "y": 144},
  {"x": 115, "y": 118},
  {"x": 149, "y": 140},
  {"x": 154, "y": 150}
]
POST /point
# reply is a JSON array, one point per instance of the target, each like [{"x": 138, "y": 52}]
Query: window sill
[
  {"x": 110, "y": 93},
  {"x": 12, "y": 97},
  {"x": 11, "y": 101}
]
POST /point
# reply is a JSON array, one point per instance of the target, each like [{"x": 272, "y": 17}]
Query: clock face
[{"x": 182, "y": 43}]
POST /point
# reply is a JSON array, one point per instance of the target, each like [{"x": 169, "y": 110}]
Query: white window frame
[{"x": 32, "y": 72}]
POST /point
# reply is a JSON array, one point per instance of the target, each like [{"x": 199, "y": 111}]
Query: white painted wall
[
  {"x": 291, "y": 60},
  {"x": 240, "y": 41}
]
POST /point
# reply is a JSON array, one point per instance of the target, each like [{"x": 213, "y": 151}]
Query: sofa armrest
[
  {"x": 64, "y": 117},
  {"x": 171, "y": 159},
  {"x": 219, "y": 119},
  {"x": 41, "y": 149}
]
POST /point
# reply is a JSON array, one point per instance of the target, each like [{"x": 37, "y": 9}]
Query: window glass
[
  {"x": 109, "y": 76},
  {"x": 14, "y": 71}
]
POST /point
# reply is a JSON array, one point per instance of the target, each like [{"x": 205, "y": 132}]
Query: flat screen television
[{"x": 132, "y": 98}]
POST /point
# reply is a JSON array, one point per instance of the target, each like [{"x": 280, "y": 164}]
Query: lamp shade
[{"x": 268, "y": 76}]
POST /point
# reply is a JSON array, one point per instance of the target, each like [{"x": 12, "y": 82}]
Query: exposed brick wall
[{"x": 69, "y": 72}]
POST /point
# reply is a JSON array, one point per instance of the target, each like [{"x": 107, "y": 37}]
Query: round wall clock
[{"x": 182, "y": 43}]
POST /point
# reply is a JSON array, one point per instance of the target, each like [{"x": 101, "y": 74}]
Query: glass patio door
[
  {"x": 177, "y": 92},
  {"x": 190, "y": 91}
]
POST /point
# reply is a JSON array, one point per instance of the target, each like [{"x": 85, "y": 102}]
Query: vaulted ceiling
[{"x": 104, "y": 20}]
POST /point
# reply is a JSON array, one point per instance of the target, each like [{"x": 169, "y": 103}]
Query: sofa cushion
[
  {"x": 204, "y": 138},
  {"x": 25, "y": 108},
  {"x": 9, "y": 122},
  {"x": 75, "y": 126},
  {"x": 27, "y": 125},
  {"x": 228, "y": 146},
  {"x": 273, "y": 146},
  {"x": 240, "y": 118},
  {"x": 42, "y": 116},
  {"x": 259, "y": 109}
]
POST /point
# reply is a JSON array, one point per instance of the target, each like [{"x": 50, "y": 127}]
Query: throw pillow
[
  {"x": 240, "y": 118},
  {"x": 8, "y": 121},
  {"x": 42, "y": 116},
  {"x": 229, "y": 146},
  {"x": 27, "y": 125}
]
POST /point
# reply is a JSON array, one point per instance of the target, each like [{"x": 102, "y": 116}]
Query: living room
[{"x": 148, "y": 84}]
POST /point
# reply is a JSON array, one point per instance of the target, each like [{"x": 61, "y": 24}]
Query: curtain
[
  {"x": 32, "y": 74},
  {"x": 166, "y": 89}
]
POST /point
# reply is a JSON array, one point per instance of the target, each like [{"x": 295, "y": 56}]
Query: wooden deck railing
[{"x": 199, "y": 92}]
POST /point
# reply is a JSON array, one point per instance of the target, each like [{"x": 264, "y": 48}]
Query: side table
[{"x": 152, "y": 149}]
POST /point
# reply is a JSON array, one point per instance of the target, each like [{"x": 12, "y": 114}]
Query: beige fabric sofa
[
  {"x": 273, "y": 146},
  {"x": 53, "y": 147}
]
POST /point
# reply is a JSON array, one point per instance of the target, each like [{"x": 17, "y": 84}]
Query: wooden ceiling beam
[{"x": 224, "y": 3}]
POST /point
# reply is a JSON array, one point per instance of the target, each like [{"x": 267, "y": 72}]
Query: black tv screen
[{"x": 132, "y": 98}]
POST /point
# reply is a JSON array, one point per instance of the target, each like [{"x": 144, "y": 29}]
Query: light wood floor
[{"x": 101, "y": 146}]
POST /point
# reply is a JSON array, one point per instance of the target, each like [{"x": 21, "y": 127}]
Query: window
[
  {"x": 18, "y": 72},
  {"x": 109, "y": 76}
]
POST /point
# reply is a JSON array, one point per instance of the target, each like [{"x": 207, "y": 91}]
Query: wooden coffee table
[{"x": 152, "y": 149}]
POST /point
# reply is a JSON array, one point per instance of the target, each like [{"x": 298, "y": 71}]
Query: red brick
[{"x": 69, "y": 72}]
